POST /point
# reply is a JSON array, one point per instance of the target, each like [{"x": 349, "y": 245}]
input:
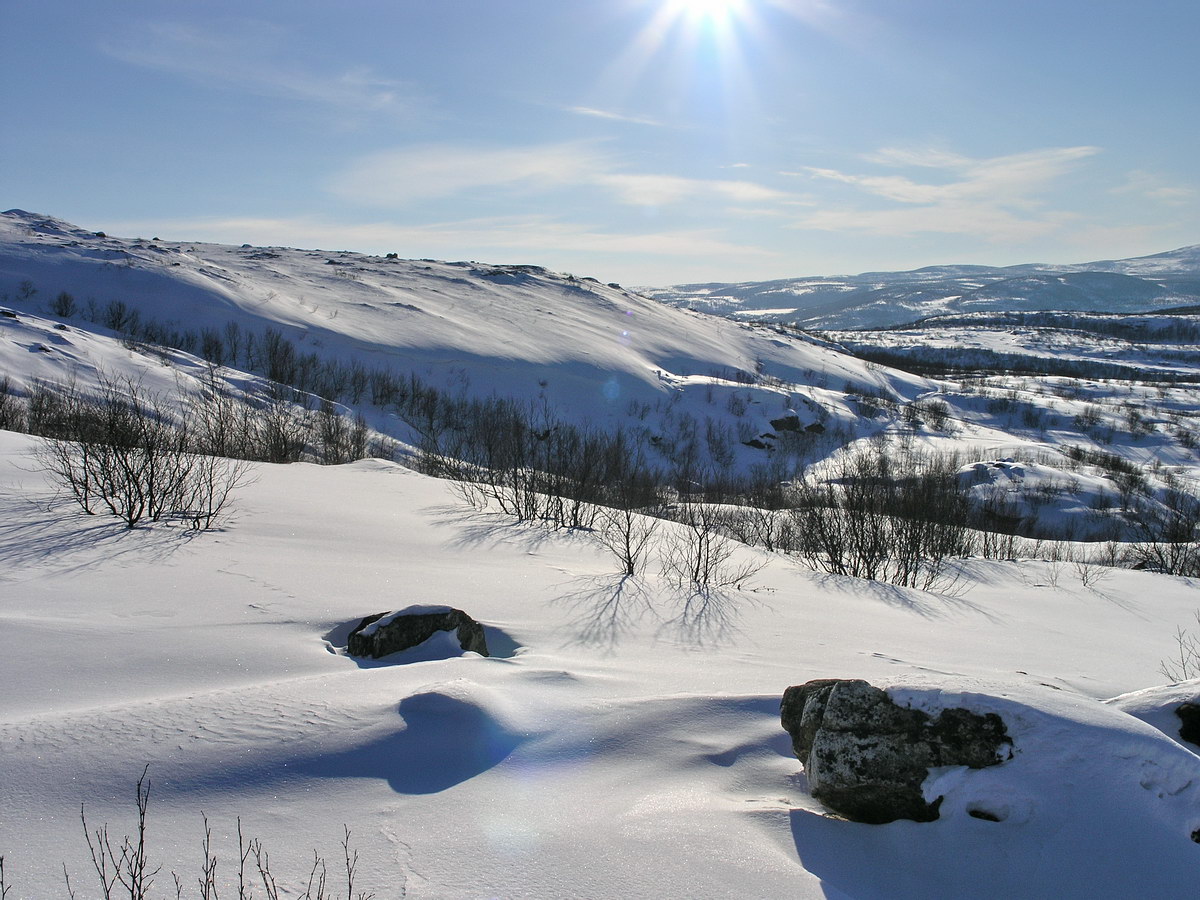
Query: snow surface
[
  {"x": 623, "y": 740},
  {"x": 628, "y": 744}
]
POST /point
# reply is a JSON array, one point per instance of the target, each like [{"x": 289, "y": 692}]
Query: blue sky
[{"x": 641, "y": 141}]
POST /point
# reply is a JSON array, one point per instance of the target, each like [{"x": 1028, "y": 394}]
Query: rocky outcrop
[
  {"x": 1189, "y": 717},
  {"x": 866, "y": 758},
  {"x": 390, "y": 632}
]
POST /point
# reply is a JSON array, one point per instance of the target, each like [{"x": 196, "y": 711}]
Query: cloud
[
  {"x": 1001, "y": 198},
  {"x": 1010, "y": 179},
  {"x": 661, "y": 190},
  {"x": 1152, "y": 187},
  {"x": 245, "y": 57},
  {"x": 456, "y": 239},
  {"x": 612, "y": 116},
  {"x": 427, "y": 171},
  {"x": 423, "y": 172}
]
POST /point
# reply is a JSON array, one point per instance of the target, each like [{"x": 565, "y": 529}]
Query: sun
[{"x": 706, "y": 12}]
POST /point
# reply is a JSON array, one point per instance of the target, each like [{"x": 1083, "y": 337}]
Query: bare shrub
[
  {"x": 64, "y": 305},
  {"x": 627, "y": 535},
  {"x": 1167, "y": 533},
  {"x": 1184, "y": 664},
  {"x": 123, "y": 452},
  {"x": 898, "y": 520},
  {"x": 123, "y": 867},
  {"x": 699, "y": 555},
  {"x": 12, "y": 409}
]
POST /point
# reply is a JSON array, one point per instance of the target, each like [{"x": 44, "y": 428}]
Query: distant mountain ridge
[{"x": 882, "y": 299}]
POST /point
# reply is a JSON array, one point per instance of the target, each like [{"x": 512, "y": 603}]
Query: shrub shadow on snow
[
  {"x": 704, "y": 616},
  {"x": 480, "y": 529},
  {"x": 927, "y": 604},
  {"x": 605, "y": 609},
  {"x": 446, "y": 741},
  {"x": 26, "y": 540},
  {"x": 501, "y": 645}
]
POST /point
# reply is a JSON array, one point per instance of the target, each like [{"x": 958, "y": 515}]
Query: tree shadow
[
  {"x": 483, "y": 529},
  {"x": 605, "y": 609},
  {"x": 39, "y": 533},
  {"x": 705, "y": 616},
  {"x": 927, "y": 604}
]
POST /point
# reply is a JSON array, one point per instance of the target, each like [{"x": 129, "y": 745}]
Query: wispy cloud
[
  {"x": 401, "y": 177},
  {"x": 456, "y": 239},
  {"x": 661, "y": 190},
  {"x": 427, "y": 171},
  {"x": 1145, "y": 184},
  {"x": 1001, "y": 198},
  {"x": 594, "y": 113},
  {"x": 250, "y": 56}
]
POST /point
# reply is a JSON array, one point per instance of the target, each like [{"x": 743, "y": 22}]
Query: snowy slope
[
  {"x": 592, "y": 353},
  {"x": 620, "y": 743},
  {"x": 623, "y": 739},
  {"x": 882, "y": 299},
  {"x": 506, "y": 326}
]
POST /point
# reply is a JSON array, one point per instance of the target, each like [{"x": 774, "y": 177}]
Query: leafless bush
[
  {"x": 1167, "y": 533},
  {"x": 627, "y": 535},
  {"x": 123, "y": 452},
  {"x": 1091, "y": 568},
  {"x": 699, "y": 555},
  {"x": 1184, "y": 664},
  {"x": 898, "y": 520},
  {"x": 126, "y": 863},
  {"x": 123, "y": 867},
  {"x": 758, "y": 526},
  {"x": 12, "y": 409}
]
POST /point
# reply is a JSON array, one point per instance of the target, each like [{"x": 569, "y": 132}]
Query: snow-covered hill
[
  {"x": 623, "y": 740},
  {"x": 695, "y": 390},
  {"x": 590, "y": 352},
  {"x": 882, "y": 299}
]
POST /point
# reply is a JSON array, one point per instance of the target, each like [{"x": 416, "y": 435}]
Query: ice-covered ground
[{"x": 623, "y": 740}]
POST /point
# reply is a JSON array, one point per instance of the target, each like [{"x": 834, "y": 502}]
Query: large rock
[
  {"x": 1189, "y": 716},
  {"x": 390, "y": 632},
  {"x": 866, "y": 758}
]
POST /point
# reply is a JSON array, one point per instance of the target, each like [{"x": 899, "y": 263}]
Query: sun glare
[{"x": 706, "y": 12}]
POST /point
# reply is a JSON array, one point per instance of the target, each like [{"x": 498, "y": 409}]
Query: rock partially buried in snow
[
  {"x": 866, "y": 758},
  {"x": 1173, "y": 709},
  {"x": 390, "y": 632}
]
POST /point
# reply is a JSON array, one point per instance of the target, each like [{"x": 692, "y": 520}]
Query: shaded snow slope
[
  {"x": 628, "y": 743},
  {"x": 585, "y": 352},
  {"x": 514, "y": 330}
]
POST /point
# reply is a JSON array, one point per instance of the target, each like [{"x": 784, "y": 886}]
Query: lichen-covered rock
[
  {"x": 390, "y": 632},
  {"x": 866, "y": 758}
]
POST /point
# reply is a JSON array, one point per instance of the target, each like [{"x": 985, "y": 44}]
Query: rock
[
  {"x": 1189, "y": 715},
  {"x": 390, "y": 632},
  {"x": 786, "y": 423},
  {"x": 866, "y": 758}
]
